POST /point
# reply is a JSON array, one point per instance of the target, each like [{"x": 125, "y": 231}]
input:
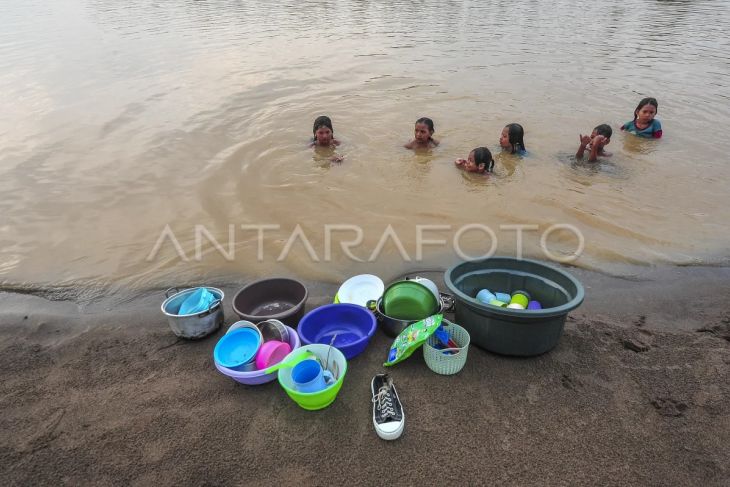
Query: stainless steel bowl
[{"x": 273, "y": 330}]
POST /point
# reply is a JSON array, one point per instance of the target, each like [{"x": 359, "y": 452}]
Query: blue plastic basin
[
  {"x": 350, "y": 324},
  {"x": 235, "y": 349}
]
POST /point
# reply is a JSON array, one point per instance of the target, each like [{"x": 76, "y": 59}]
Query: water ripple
[{"x": 123, "y": 117}]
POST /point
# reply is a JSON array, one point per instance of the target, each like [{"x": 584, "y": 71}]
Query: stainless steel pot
[
  {"x": 192, "y": 326},
  {"x": 393, "y": 326}
]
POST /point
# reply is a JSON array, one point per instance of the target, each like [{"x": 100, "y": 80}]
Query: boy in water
[{"x": 599, "y": 138}]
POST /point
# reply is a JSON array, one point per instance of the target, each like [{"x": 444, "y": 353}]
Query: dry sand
[{"x": 636, "y": 393}]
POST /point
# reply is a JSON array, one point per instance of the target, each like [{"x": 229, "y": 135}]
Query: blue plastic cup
[
  {"x": 485, "y": 296},
  {"x": 534, "y": 305},
  {"x": 504, "y": 297},
  {"x": 308, "y": 376}
]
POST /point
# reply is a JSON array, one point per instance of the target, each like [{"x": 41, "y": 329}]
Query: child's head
[
  {"x": 512, "y": 138},
  {"x": 646, "y": 110},
  {"x": 424, "y": 130},
  {"x": 322, "y": 130},
  {"x": 479, "y": 160},
  {"x": 603, "y": 129}
]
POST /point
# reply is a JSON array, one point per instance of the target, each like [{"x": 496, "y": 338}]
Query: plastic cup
[
  {"x": 504, "y": 297},
  {"x": 515, "y": 306},
  {"x": 497, "y": 302},
  {"x": 308, "y": 376},
  {"x": 485, "y": 296},
  {"x": 521, "y": 298},
  {"x": 534, "y": 305}
]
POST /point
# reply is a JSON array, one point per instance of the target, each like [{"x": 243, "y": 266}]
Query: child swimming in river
[
  {"x": 323, "y": 135},
  {"x": 512, "y": 139},
  {"x": 479, "y": 161},
  {"x": 644, "y": 124},
  {"x": 423, "y": 135},
  {"x": 599, "y": 138}
]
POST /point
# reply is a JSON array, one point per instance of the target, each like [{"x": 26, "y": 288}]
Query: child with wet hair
[
  {"x": 479, "y": 161},
  {"x": 423, "y": 135},
  {"x": 323, "y": 135},
  {"x": 512, "y": 139},
  {"x": 644, "y": 124},
  {"x": 599, "y": 138}
]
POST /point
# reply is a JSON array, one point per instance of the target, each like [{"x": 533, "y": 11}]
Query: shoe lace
[{"x": 384, "y": 402}]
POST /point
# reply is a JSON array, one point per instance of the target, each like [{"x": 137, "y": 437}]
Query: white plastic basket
[{"x": 447, "y": 363}]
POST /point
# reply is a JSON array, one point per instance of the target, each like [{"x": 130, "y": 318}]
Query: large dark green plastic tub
[{"x": 513, "y": 331}]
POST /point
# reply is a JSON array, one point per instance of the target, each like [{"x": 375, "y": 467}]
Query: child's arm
[
  {"x": 410, "y": 144},
  {"x": 597, "y": 148},
  {"x": 435, "y": 142},
  {"x": 584, "y": 141}
]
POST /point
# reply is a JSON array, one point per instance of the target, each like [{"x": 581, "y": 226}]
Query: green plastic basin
[
  {"x": 409, "y": 300},
  {"x": 315, "y": 400}
]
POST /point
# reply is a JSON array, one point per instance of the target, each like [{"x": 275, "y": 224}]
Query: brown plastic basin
[{"x": 277, "y": 298}]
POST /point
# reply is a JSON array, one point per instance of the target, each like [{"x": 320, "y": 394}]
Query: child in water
[
  {"x": 599, "y": 138},
  {"x": 423, "y": 135},
  {"x": 644, "y": 124},
  {"x": 323, "y": 135},
  {"x": 479, "y": 161},
  {"x": 512, "y": 139}
]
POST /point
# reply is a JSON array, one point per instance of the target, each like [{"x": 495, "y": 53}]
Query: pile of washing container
[{"x": 502, "y": 305}]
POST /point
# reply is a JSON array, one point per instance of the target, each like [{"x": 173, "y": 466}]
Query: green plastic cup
[
  {"x": 497, "y": 302},
  {"x": 520, "y": 297}
]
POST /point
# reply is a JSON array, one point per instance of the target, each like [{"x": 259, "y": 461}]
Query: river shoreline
[{"x": 635, "y": 393}]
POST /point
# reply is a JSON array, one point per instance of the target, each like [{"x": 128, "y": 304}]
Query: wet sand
[{"x": 636, "y": 393}]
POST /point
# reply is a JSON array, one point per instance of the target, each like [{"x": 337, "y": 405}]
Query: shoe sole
[{"x": 388, "y": 435}]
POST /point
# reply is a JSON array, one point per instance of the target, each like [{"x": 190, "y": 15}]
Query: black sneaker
[{"x": 388, "y": 416}]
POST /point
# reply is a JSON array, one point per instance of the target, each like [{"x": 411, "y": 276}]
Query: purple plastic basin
[
  {"x": 350, "y": 324},
  {"x": 256, "y": 377}
]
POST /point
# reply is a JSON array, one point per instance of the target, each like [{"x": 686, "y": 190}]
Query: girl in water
[
  {"x": 423, "y": 135},
  {"x": 644, "y": 124},
  {"x": 479, "y": 161},
  {"x": 512, "y": 139},
  {"x": 323, "y": 135}
]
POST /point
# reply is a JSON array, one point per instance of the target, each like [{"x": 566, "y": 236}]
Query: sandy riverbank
[{"x": 636, "y": 393}]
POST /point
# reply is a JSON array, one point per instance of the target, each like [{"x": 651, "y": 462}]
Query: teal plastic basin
[{"x": 513, "y": 331}]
